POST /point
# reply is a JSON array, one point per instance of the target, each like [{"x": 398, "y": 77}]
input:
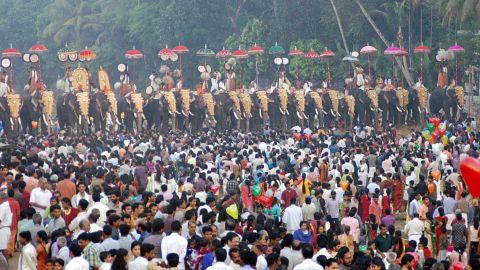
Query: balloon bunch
[
  {"x": 298, "y": 136},
  {"x": 261, "y": 199},
  {"x": 435, "y": 131}
]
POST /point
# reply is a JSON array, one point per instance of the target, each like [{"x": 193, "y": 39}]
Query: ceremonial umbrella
[
  {"x": 240, "y": 54},
  {"x": 393, "y": 51},
  {"x": 166, "y": 54},
  {"x": 10, "y": 53},
  {"x": 276, "y": 49},
  {"x": 224, "y": 54},
  {"x": 350, "y": 59},
  {"x": 312, "y": 55},
  {"x": 256, "y": 50},
  {"x": 327, "y": 55},
  {"x": 133, "y": 55},
  {"x": 180, "y": 49},
  {"x": 205, "y": 53},
  {"x": 422, "y": 50},
  {"x": 456, "y": 49},
  {"x": 38, "y": 49},
  {"x": 368, "y": 50},
  {"x": 87, "y": 55},
  {"x": 294, "y": 53}
]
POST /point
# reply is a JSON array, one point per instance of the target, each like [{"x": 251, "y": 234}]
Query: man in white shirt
[
  {"x": 414, "y": 228},
  {"x": 28, "y": 257},
  {"x": 174, "y": 243},
  {"x": 220, "y": 257},
  {"x": 40, "y": 197},
  {"x": 102, "y": 208},
  {"x": 308, "y": 263},
  {"x": 5, "y": 223},
  {"x": 77, "y": 262},
  {"x": 292, "y": 217},
  {"x": 147, "y": 253}
]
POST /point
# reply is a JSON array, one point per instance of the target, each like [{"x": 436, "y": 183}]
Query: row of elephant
[{"x": 185, "y": 110}]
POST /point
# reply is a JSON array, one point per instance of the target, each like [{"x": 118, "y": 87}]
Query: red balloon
[
  {"x": 470, "y": 169},
  {"x": 435, "y": 121},
  {"x": 265, "y": 201},
  {"x": 435, "y": 135},
  {"x": 308, "y": 137},
  {"x": 297, "y": 136},
  {"x": 442, "y": 132}
]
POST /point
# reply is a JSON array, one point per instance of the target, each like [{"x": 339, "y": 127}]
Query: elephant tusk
[
  {"x": 80, "y": 120},
  {"x": 135, "y": 114},
  {"x": 281, "y": 111},
  {"x": 260, "y": 113},
  {"x": 398, "y": 109},
  {"x": 460, "y": 108},
  {"x": 331, "y": 111},
  {"x": 20, "y": 122},
  {"x": 169, "y": 112},
  {"x": 380, "y": 110},
  {"x": 11, "y": 121},
  {"x": 298, "y": 115},
  {"x": 316, "y": 111},
  {"x": 288, "y": 113},
  {"x": 236, "y": 116},
  {"x": 338, "y": 114},
  {"x": 177, "y": 112},
  {"x": 305, "y": 116},
  {"x": 419, "y": 110},
  {"x": 190, "y": 113},
  {"x": 324, "y": 112},
  {"x": 184, "y": 114}
]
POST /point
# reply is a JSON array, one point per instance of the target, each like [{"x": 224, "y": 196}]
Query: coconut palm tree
[
  {"x": 463, "y": 9},
  {"x": 342, "y": 33}
]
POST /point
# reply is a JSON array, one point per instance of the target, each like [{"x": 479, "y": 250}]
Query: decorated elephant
[
  {"x": 450, "y": 100},
  {"x": 314, "y": 110},
  {"x": 279, "y": 109},
  {"x": 247, "y": 107},
  {"x": 14, "y": 104},
  {"x": 154, "y": 112},
  {"x": 127, "y": 113},
  {"x": 375, "y": 110},
  {"x": 48, "y": 105},
  {"x": 298, "y": 99},
  {"x": 349, "y": 103},
  {"x": 402, "y": 97},
  {"x": 67, "y": 104},
  {"x": 260, "y": 112},
  {"x": 387, "y": 101},
  {"x": 112, "y": 122},
  {"x": 98, "y": 109},
  {"x": 334, "y": 98},
  {"x": 417, "y": 105},
  {"x": 31, "y": 111},
  {"x": 362, "y": 106},
  {"x": 185, "y": 98}
]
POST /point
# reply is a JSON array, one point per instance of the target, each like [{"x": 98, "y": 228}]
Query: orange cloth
[{"x": 66, "y": 188}]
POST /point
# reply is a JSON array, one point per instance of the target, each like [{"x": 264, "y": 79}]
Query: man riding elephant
[{"x": 387, "y": 103}]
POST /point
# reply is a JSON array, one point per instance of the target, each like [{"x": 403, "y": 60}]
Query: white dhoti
[{"x": 4, "y": 237}]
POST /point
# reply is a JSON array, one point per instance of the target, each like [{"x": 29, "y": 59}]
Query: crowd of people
[{"x": 224, "y": 201}]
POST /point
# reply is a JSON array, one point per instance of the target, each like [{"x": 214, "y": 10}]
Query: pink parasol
[
  {"x": 295, "y": 52},
  {"x": 38, "y": 48},
  {"x": 456, "y": 49},
  {"x": 133, "y": 54},
  {"x": 368, "y": 50},
  {"x": 421, "y": 49},
  {"x": 401, "y": 53},
  {"x": 255, "y": 49},
  {"x": 393, "y": 51},
  {"x": 224, "y": 53}
]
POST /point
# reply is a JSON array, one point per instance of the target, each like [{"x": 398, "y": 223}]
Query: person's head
[
  {"x": 147, "y": 251},
  {"x": 207, "y": 233},
  {"x": 127, "y": 208},
  {"x": 25, "y": 237},
  {"x": 82, "y": 205},
  {"x": 220, "y": 254},
  {"x": 42, "y": 237},
  {"x": 192, "y": 227},
  {"x": 173, "y": 260},
  {"x": 135, "y": 249},
  {"x": 83, "y": 239},
  {"x": 58, "y": 264},
  {"x": 82, "y": 187},
  {"x": 333, "y": 194},
  {"x": 124, "y": 229},
  {"x": 383, "y": 229},
  {"x": 49, "y": 264},
  {"x": 75, "y": 250},
  {"x": 344, "y": 256},
  {"x": 234, "y": 254},
  {"x": 42, "y": 183},
  {"x": 157, "y": 226},
  {"x": 55, "y": 211},
  {"x": 307, "y": 251},
  {"x": 273, "y": 260},
  {"x": 331, "y": 264},
  {"x": 232, "y": 240},
  {"x": 176, "y": 226},
  {"x": 407, "y": 260},
  {"x": 303, "y": 225},
  {"x": 377, "y": 264},
  {"x": 248, "y": 258}
]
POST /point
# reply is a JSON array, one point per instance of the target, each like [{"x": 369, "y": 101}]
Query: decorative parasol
[
  {"x": 205, "y": 52},
  {"x": 327, "y": 55},
  {"x": 180, "y": 49},
  {"x": 350, "y": 58},
  {"x": 401, "y": 53},
  {"x": 368, "y": 50},
  {"x": 421, "y": 49},
  {"x": 456, "y": 49},
  {"x": 312, "y": 55},
  {"x": 38, "y": 48},
  {"x": 393, "y": 51},
  {"x": 256, "y": 50},
  {"x": 165, "y": 54},
  {"x": 240, "y": 54},
  {"x": 276, "y": 49},
  {"x": 223, "y": 54},
  {"x": 11, "y": 53},
  {"x": 133, "y": 55},
  {"x": 67, "y": 53},
  {"x": 87, "y": 55},
  {"x": 294, "y": 53}
]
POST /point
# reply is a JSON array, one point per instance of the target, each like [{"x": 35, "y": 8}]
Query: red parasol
[
  {"x": 224, "y": 53},
  {"x": 456, "y": 49},
  {"x": 133, "y": 54},
  {"x": 11, "y": 52},
  {"x": 179, "y": 49},
  {"x": 295, "y": 52},
  {"x": 38, "y": 48},
  {"x": 166, "y": 52},
  {"x": 87, "y": 54},
  {"x": 327, "y": 54},
  {"x": 312, "y": 55},
  {"x": 255, "y": 49},
  {"x": 401, "y": 53},
  {"x": 421, "y": 49},
  {"x": 240, "y": 54}
]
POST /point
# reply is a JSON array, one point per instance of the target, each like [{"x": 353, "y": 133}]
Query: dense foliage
[{"x": 111, "y": 27}]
